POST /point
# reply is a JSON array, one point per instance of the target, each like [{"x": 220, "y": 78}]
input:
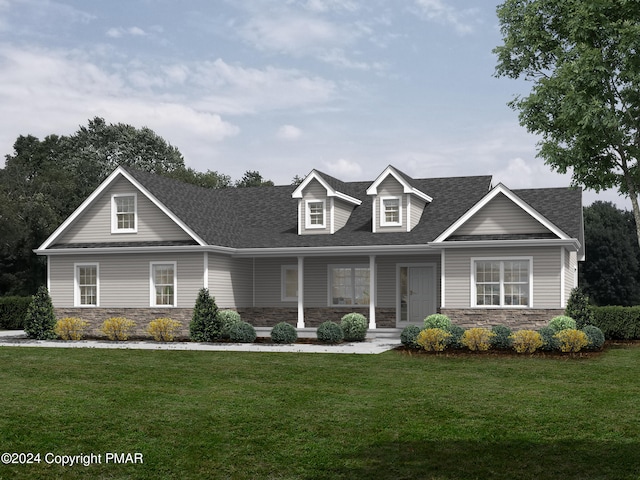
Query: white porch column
[
  {"x": 300, "y": 292},
  {"x": 372, "y": 292}
]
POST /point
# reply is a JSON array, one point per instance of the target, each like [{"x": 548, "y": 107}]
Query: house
[{"x": 394, "y": 248}]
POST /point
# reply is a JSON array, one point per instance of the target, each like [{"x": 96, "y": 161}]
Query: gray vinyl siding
[
  {"x": 417, "y": 209},
  {"x": 390, "y": 187},
  {"x": 94, "y": 224},
  {"x": 268, "y": 281},
  {"x": 546, "y": 274},
  {"x": 231, "y": 281},
  {"x": 571, "y": 272},
  {"x": 314, "y": 191},
  {"x": 342, "y": 211},
  {"x": 501, "y": 216}
]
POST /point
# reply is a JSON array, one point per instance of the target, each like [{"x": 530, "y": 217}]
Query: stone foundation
[{"x": 514, "y": 318}]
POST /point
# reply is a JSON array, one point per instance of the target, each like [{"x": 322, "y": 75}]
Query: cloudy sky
[{"x": 279, "y": 86}]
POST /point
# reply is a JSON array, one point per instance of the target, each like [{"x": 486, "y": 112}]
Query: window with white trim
[
  {"x": 163, "y": 284},
  {"x": 86, "y": 281},
  {"x": 289, "y": 283},
  {"x": 502, "y": 283},
  {"x": 391, "y": 211},
  {"x": 124, "y": 212},
  {"x": 316, "y": 214},
  {"x": 349, "y": 285}
]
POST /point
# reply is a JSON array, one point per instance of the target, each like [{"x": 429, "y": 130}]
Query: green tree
[
  {"x": 206, "y": 324},
  {"x": 208, "y": 179},
  {"x": 40, "y": 320},
  {"x": 582, "y": 57},
  {"x": 253, "y": 179}
]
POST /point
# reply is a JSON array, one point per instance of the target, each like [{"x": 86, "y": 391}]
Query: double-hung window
[
  {"x": 86, "y": 280},
  {"x": 289, "y": 283},
  {"x": 124, "y": 213},
  {"x": 391, "y": 211},
  {"x": 316, "y": 215},
  {"x": 349, "y": 285},
  {"x": 163, "y": 284},
  {"x": 502, "y": 283}
]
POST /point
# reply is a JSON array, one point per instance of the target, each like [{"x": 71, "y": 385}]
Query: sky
[{"x": 282, "y": 87}]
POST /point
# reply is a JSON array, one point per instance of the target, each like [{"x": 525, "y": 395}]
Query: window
[
  {"x": 289, "y": 283},
  {"x": 502, "y": 283},
  {"x": 349, "y": 285},
  {"x": 390, "y": 211},
  {"x": 163, "y": 284},
  {"x": 86, "y": 279},
  {"x": 124, "y": 208},
  {"x": 315, "y": 217}
]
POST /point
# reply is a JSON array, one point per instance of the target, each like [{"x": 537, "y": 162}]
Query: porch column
[
  {"x": 372, "y": 292},
  {"x": 300, "y": 292}
]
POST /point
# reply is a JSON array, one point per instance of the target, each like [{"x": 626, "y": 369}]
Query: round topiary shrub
[
  {"x": 228, "y": 318},
  {"x": 562, "y": 322},
  {"x": 437, "y": 320},
  {"x": 455, "y": 340},
  {"x": 501, "y": 339},
  {"x": 354, "y": 327},
  {"x": 284, "y": 333},
  {"x": 594, "y": 336},
  {"x": 549, "y": 341},
  {"x": 329, "y": 332},
  {"x": 409, "y": 336},
  {"x": 242, "y": 332}
]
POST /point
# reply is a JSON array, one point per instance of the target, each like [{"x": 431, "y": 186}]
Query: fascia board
[
  {"x": 338, "y": 251},
  {"x": 406, "y": 187},
  {"x": 331, "y": 192},
  {"x": 571, "y": 243}
]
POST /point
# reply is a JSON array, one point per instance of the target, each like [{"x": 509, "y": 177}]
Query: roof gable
[
  {"x": 333, "y": 186},
  {"x": 409, "y": 185}
]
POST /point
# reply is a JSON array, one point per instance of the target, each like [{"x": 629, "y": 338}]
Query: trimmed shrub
[
  {"x": 433, "y": 339},
  {"x": 571, "y": 340},
  {"x": 455, "y": 340},
  {"x": 501, "y": 338},
  {"x": 205, "y": 325},
  {"x": 163, "y": 329},
  {"x": 354, "y": 327},
  {"x": 70, "y": 328},
  {"x": 549, "y": 341},
  {"x": 477, "y": 339},
  {"x": 595, "y": 337},
  {"x": 329, "y": 332},
  {"x": 242, "y": 332},
  {"x": 228, "y": 318},
  {"x": 284, "y": 333},
  {"x": 13, "y": 311},
  {"x": 562, "y": 322},
  {"x": 409, "y": 336},
  {"x": 117, "y": 328},
  {"x": 437, "y": 320},
  {"x": 579, "y": 309},
  {"x": 40, "y": 321},
  {"x": 618, "y": 323},
  {"x": 526, "y": 341}
]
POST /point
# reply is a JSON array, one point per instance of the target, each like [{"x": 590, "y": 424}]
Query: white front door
[{"x": 417, "y": 294}]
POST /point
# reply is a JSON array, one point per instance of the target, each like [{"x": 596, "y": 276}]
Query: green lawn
[{"x": 315, "y": 416}]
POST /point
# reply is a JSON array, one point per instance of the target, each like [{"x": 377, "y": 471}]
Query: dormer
[
  {"x": 323, "y": 205},
  {"x": 398, "y": 204}
]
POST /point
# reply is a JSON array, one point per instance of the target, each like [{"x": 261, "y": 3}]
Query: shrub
[
  {"x": 354, "y": 327},
  {"x": 549, "y": 341},
  {"x": 13, "y": 311},
  {"x": 283, "y": 333},
  {"x": 562, "y": 322},
  {"x": 329, "y": 332},
  {"x": 70, "y": 328},
  {"x": 409, "y": 336},
  {"x": 163, "y": 329},
  {"x": 501, "y": 337},
  {"x": 433, "y": 339},
  {"x": 437, "y": 320},
  {"x": 477, "y": 339},
  {"x": 579, "y": 309},
  {"x": 117, "y": 328},
  {"x": 618, "y": 323},
  {"x": 455, "y": 340},
  {"x": 228, "y": 318},
  {"x": 526, "y": 341},
  {"x": 595, "y": 337},
  {"x": 40, "y": 320},
  {"x": 571, "y": 340},
  {"x": 242, "y": 332},
  {"x": 205, "y": 325}
]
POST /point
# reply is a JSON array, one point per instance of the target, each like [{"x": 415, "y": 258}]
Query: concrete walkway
[{"x": 17, "y": 338}]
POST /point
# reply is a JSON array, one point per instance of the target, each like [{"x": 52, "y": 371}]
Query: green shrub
[
  {"x": 433, "y": 339},
  {"x": 330, "y": 332},
  {"x": 595, "y": 337},
  {"x": 562, "y": 322},
  {"x": 571, "y": 340},
  {"x": 284, "y": 332},
  {"x": 477, "y": 339},
  {"x": 549, "y": 341},
  {"x": 579, "y": 309},
  {"x": 163, "y": 329},
  {"x": 437, "y": 320},
  {"x": 205, "y": 325},
  {"x": 228, "y": 318},
  {"x": 242, "y": 332},
  {"x": 526, "y": 341},
  {"x": 409, "y": 336},
  {"x": 455, "y": 340},
  {"x": 618, "y": 323},
  {"x": 13, "y": 311},
  {"x": 117, "y": 328},
  {"x": 40, "y": 320},
  {"x": 70, "y": 328},
  {"x": 354, "y": 327},
  {"x": 501, "y": 337}
]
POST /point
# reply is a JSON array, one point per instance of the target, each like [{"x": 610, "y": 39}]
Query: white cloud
[
  {"x": 119, "y": 32},
  {"x": 441, "y": 11},
  {"x": 289, "y": 132},
  {"x": 344, "y": 169}
]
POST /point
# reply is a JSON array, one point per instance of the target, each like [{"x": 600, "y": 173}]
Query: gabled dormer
[
  {"x": 398, "y": 203},
  {"x": 323, "y": 205}
]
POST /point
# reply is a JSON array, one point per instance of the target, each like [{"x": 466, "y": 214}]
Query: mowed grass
[{"x": 320, "y": 416}]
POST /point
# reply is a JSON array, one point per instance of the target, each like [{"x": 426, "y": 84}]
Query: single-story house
[{"x": 394, "y": 248}]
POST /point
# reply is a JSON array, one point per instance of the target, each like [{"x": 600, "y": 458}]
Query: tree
[
  {"x": 253, "y": 179},
  {"x": 40, "y": 320},
  {"x": 582, "y": 57},
  {"x": 208, "y": 179},
  {"x": 206, "y": 324}
]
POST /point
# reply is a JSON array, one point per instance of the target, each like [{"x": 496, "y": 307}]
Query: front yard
[{"x": 317, "y": 416}]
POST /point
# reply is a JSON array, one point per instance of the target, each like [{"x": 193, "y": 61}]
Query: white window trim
[
  {"x": 383, "y": 216},
  {"x": 473, "y": 291},
  {"x": 152, "y": 285},
  {"x": 76, "y": 285},
  {"x": 114, "y": 213},
  {"x": 307, "y": 217},
  {"x": 330, "y": 269},
  {"x": 283, "y": 283}
]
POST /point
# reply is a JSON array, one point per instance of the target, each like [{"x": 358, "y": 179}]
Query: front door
[{"x": 418, "y": 294}]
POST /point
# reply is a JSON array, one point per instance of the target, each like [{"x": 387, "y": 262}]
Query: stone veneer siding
[{"x": 514, "y": 318}]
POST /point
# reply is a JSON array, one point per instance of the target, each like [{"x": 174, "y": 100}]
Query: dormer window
[
  {"x": 124, "y": 212},
  {"x": 316, "y": 216},
  {"x": 392, "y": 214}
]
